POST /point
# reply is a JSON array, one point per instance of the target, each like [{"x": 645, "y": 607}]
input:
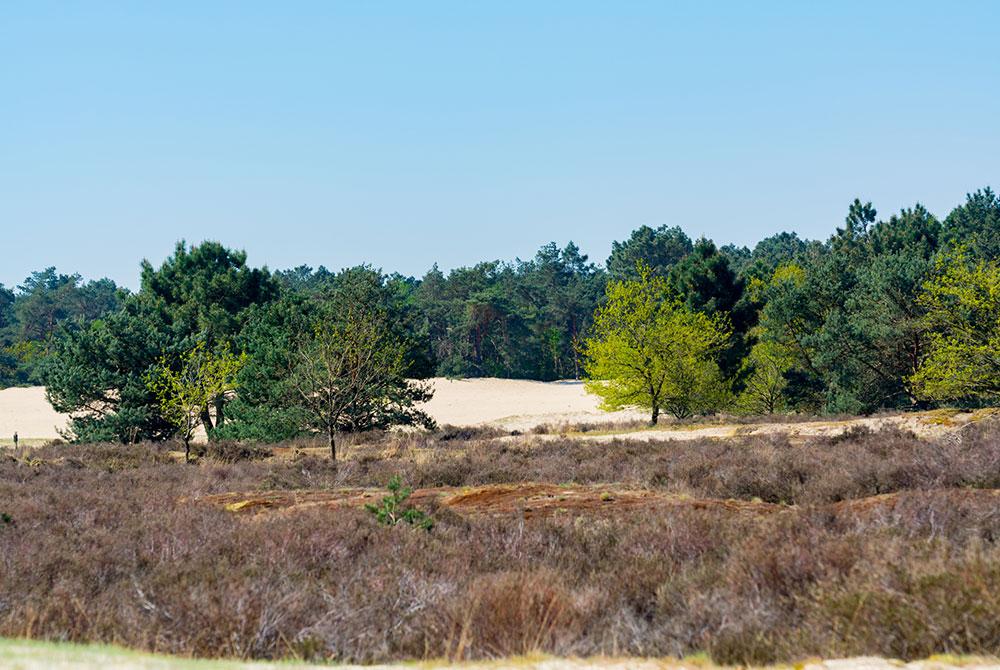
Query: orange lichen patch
[
  {"x": 985, "y": 413},
  {"x": 273, "y": 500},
  {"x": 547, "y": 499},
  {"x": 939, "y": 417},
  {"x": 527, "y": 500},
  {"x": 540, "y": 499}
]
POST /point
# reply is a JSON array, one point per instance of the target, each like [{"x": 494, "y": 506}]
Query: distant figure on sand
[{"x": 15, "y": 440}]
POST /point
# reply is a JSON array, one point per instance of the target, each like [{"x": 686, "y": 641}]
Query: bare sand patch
[
  {"x": 521, "y": 405},
  {"x": 919, "y": 423},
  {"x": 517, "y": 404},
  {"x": 27, "y": 412},
  {"x": 512, "y": 404},
  {"x": 527, "y": 500}
]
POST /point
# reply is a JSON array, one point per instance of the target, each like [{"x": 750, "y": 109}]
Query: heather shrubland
[{"x": 111, "y": 543}]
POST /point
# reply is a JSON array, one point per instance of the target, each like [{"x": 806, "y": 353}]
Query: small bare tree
[{"x": 349, "y": 375}]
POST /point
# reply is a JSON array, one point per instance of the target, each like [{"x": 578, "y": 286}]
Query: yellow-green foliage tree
[
  {"x": 962, "y": 300},
  {"x": 765, "y": 368},
  {"x": 648, "y": 350},
  {"x": 186, "y": 390}
]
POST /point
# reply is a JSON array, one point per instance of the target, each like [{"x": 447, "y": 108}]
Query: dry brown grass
[
  {"x": 111, "y": 543},
  {"x": 701, "y": 421}
]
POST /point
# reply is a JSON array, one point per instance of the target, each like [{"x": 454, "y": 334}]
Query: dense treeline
[
  {"x": 493, "y": 319},
  {"x": 31, "y": 313},
  {"x": 845, "y": 325}
]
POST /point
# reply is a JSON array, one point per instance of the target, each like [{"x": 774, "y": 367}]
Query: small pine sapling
[{"x": 392, "y": 511}]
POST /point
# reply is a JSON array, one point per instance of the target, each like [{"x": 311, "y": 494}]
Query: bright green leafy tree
[
  {"x": 186, "y": 389},
  {"x": 962, "y": 300},
  {"x": 649, "y": 350},
  {"x": 766, "y": 371}
]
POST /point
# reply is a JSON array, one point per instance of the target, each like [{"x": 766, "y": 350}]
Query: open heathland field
[{"x": 753, "y": 548}]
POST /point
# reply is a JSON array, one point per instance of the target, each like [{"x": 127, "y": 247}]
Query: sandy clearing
[
  {"x": 518, "y": 404},
  {"x": 508, "y": 403},
  {"x": 26, "y": 411},
  {"x": 921, "y": 424}
]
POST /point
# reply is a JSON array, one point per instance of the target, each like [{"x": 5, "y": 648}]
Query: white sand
[
  {"x": 511, "y": 404},
  {"x": 508, "y": 403},
  {"x": 26, "y": 411},
  {"x": 516, "y": 403}
]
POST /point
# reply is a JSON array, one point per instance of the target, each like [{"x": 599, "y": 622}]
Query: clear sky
[{"x": 408, "y": 133}]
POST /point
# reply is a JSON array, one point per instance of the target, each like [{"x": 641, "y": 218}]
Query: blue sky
[{"x": 408, "y": 133}]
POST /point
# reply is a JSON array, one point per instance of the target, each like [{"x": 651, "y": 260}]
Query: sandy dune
[
  {"x": 26, "y": 411},
  {"x": 513, "y": 404},
  {"x": 516, "y": 403},
  {"x": 509, "y": 403}
]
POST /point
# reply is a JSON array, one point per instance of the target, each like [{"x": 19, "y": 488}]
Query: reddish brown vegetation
[
  {"x": 525, "y": 500},
  {"x": 108, "y": 543}
]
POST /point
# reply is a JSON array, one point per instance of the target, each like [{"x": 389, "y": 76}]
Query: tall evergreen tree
[
  {"x": 976, "y": 224},
  {"x": 656, "y": 248}
]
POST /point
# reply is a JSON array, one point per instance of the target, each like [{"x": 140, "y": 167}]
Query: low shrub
[
  {"x": 232, "y": 452},
  {"x": 110, "y": 545},
  {"x": 392, "y": 510}
]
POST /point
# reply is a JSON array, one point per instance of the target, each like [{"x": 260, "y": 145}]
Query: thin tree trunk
[
  {"x": 656, "y": 414},
  {"x": 187, "y": 449},
  {"x": 333, "y": 444},
  {"x": 220, "y": 411},
  {"x": 206, "y": 419}
]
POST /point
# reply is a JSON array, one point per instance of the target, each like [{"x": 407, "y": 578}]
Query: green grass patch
[{"x": 36, "y": 655}]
